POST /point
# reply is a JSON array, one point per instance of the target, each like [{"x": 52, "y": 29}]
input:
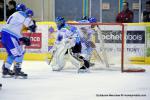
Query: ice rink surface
[{"x": 44, "y": 84}]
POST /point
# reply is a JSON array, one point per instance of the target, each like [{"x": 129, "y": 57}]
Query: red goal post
[{"x": 119, "y": 29}]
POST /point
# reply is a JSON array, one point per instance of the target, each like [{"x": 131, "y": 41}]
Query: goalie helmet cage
[{"x": 112, "y": 37}]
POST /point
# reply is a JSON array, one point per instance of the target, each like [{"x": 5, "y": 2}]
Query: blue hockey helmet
[
  {"x": 60, "y": 19},
  {"x": 92, "y": 20},
  {"x": 29, "y": 12},
  {"x": 21, "y": 7}
]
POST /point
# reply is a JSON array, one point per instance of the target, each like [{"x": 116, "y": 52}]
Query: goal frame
[{"x": 123, "y": 32}]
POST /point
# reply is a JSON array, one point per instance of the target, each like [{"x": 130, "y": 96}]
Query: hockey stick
[
  {"x": 96, "y": 54},
  {"x": 49, "y": 59}
]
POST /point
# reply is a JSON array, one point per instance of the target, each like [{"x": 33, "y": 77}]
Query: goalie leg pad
[
  {"x": 58, "y": 61},
  {"x": 78, "y": 61}
]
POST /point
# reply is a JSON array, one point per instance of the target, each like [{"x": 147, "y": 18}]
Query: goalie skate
[
  {"x": 57, "y": 69},
  {"x": 83, "y": 69}
]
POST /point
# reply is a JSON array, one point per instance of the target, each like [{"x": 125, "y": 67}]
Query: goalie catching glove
[{"x": 26, "y": 41}]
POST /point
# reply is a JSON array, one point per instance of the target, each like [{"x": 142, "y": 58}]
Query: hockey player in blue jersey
[
  {"x": 21, "y": 7},
  {"x": 12, "y": 41}
]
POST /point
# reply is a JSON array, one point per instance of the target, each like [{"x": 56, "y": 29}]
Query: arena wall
[{"x": 44, "y": 38}]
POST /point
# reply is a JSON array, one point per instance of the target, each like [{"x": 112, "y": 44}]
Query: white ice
[{"x": 44, "y": 84}]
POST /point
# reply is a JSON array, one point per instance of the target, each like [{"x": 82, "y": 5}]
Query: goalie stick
[
  {"x": 49, "y": 59},
  {"x": 96, "y": 54}
]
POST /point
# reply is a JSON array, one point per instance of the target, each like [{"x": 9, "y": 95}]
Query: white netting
[
  {"x": 112, "y": 51},
  {"x": 107, "y": 39}
]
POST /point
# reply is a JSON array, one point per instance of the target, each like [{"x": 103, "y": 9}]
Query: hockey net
[{"x": 111, "y": 51}]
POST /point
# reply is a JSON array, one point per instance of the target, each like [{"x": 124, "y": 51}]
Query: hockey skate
[
  {"x": 19, "y": 74},
  {"x": 83, "y": 69},
  {"x": 7, "y": 73},
  {"x": 57, "y": 68}
]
